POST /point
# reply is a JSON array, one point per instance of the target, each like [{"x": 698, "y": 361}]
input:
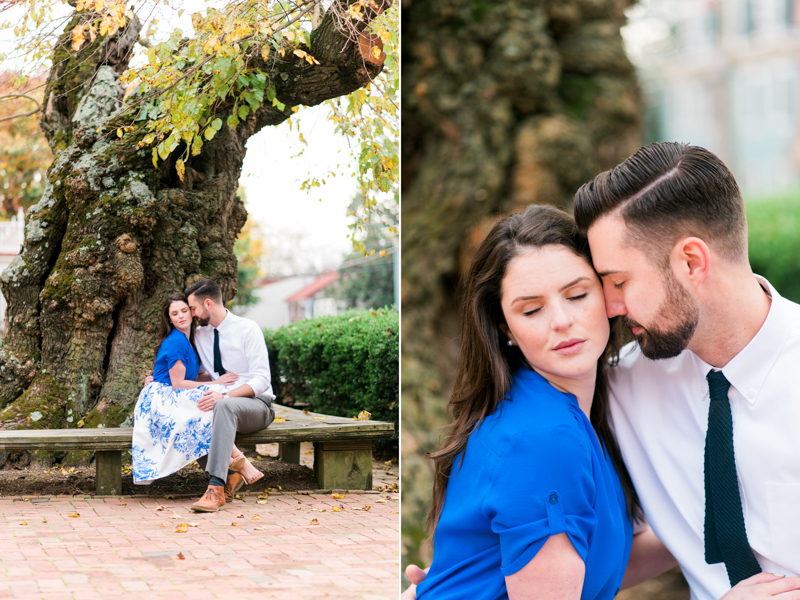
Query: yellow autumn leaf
[
  {"x": 119, "y": 132},
  {"x": 234, "y": 524},
  {"x": 175, "y": 516},
  {"x": 395, "y": 512},
  {"x": 181, "y": 556},
  {"x": 182, "y": 528},
  {"x": 256, "y": 518},
  {"x": 261, "y": 501},
  {"x": 279, "y": 420},
  {"x": 74, "y": 515},
  {"x": 180, "y": 168},
  {"x": 337, "y": 496},
  {"x": 80, "y": 423},
  {"x": 285, "y": 410},
  {"x": 258, "y": 529},
  {"x": 314, "y": 522},
  {"x": 376, "y": 52},
  {"x": 334, "y": 509},
  {"x": 319, "y": 418},
  {"x": 306, "y": 412},
  {"x": 24, "y": 523},
  {"x": 364, "y": 416},
  {"x": 78, "y": 38},
  {"x": 265, "y": 52}
]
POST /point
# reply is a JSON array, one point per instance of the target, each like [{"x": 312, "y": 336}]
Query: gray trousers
[{"x": 232, "y": 415}]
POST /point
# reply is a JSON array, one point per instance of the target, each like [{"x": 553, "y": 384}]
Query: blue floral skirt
[{"x": 169, "y": 430}]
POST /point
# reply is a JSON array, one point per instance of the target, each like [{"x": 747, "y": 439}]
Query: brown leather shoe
[
  {"x": 211, "y": 501},
  {"x": 235, "y": 481}
]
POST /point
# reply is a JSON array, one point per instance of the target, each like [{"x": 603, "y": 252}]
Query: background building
[{"x": 723, "y": 74}]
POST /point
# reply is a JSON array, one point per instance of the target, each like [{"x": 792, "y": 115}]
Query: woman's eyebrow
[{"x": 566, "y": 287}]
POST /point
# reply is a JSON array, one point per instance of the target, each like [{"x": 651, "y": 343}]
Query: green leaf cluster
[
  {"x": 340, "y": 365},
  {"x": 774, "y": 241}
]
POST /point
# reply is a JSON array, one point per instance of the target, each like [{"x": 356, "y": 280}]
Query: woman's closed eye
[{"x": 578, "y": 297}]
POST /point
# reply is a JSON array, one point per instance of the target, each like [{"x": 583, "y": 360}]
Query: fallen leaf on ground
[
  {"x": 163, "y": 524},
  {"x": 280, "y": 488},
  {"x": 234, "y": 524},
  {"x": 240, "y": 516},
  {"x": 256, "y": 518},
  {"x": 337, "y": 496},
  {"x": 174, "y": 516},
  {"x": 193, "y": 525},
  {"x": 334, "y": 509},
  {"x": 279, "y": 420},
  {"x": 309, "y": 452},
  {"x": 314, "y": 522},
  {"x": 239, "y": 496},
  {"x": 367, "y": 507},
  {"x": 159, "y": 507},
  {"x": 74, "y": 515},
  {"x": 319, "y": 418},
  {"x": 380, "y": 501},
  {"x": 388, "y": 463},
  {"x": 24, "y": 523},
  {"x": 283, "y": 411},
  {"x": 181, "y": 556},
  {"x": 364, "y": 416},
  {"x": 182, "y": 528},
  {"x": 123, "y": 504},
  {"x": 258, "y": 529},
  {"x": 395, "y": 512},
  {"x": 306, "y": 412}
]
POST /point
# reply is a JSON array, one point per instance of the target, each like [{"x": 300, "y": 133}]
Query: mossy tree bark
[
  {"x": 112, "y": 236},
  {"x": 504, "y": 104}
]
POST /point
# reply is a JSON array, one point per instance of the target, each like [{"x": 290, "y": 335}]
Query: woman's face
[
  {"x": 180, "y": 315},
  {"x": 553, "y": 305}
]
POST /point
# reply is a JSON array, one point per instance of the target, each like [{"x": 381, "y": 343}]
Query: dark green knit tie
[
  {"x": 725, "y": 535},
  {"x": 217, "y": 357}
]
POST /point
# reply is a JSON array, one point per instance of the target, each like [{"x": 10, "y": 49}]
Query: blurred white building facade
[
  {"x": 11, "y": 238},
  {"x": 724, "y": 74}
]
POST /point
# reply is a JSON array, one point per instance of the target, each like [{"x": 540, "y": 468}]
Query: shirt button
[
  {"x": 751, "y": 394},
  {"x": 553, "y": 498}
]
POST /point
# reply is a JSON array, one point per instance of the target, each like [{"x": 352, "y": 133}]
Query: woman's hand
[
  {"x": 415, "y": 576},
  {"x": 226, "y": 379},
  {"x": 149, "y": 379},
  {"x": 765, "y": 585}
]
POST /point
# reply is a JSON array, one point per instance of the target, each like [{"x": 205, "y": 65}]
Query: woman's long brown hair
[
  {"x": 486, "y": 363},
  {"x": 165, "y": 326}
]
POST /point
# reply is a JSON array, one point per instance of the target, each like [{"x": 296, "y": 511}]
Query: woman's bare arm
[
  {"x": 177, "y": 378},
  {"x": 649, "y": 558},
  {"x": 555, "y": 573}
]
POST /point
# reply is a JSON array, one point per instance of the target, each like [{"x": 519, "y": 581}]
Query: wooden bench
[{"x": 342, "y": 447}]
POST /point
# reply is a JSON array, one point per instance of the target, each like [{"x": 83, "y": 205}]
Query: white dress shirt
[
  {"x": 659, "y": 411},
  {"x": 243, "y": 351}
]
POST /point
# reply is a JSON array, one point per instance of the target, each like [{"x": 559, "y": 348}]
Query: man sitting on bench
[{"x": 227, "y": 343}]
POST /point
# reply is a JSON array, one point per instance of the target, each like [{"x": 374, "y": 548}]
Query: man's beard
[
  {"x": 203, "y": 322},
  {"x": 657, "y": 343}
]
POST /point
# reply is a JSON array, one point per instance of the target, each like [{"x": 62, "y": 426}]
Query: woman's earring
[{"x": 510, "y": 343}]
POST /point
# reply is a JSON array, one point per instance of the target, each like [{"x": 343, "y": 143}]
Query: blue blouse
[
  {"x": 531, "y": 470},
  {"x": 174, "y": 348}
]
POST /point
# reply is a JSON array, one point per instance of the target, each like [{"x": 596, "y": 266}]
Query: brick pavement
[{"x": 125, "y": 547}]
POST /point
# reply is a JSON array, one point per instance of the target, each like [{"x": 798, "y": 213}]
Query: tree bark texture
[
  {"x": 112, "y": 236},
  {"x": 504, "y": 104}
]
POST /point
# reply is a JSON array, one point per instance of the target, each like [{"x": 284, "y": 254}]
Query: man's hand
[
  {"x": 415, "y": 576},
  {"x": 765, "y": 585},
  {"x": 208, "y": 400}
]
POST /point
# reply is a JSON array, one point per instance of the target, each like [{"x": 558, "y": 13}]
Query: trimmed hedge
[
  {"x": 340, "y": 365},
  {"x": 774, "y": 241}
]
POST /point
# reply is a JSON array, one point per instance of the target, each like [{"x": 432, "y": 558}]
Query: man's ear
[{"x": 691, "y": 260}]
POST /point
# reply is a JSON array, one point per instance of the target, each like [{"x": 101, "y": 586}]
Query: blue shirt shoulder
[{"x": 174, "y": 348}]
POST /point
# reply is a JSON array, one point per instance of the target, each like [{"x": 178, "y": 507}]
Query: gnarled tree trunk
[{"x": 112, "y": 236}]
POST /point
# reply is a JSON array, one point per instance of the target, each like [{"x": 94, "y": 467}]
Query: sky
[{"x": 316, "y": 230}]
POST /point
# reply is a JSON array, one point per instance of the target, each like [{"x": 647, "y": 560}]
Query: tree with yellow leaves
[{"x": 140, "y": 200}]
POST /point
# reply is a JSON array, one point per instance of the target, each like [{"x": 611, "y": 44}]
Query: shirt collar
[
  {"x": 748, "y": 370},
  {"x": 225, "y": 321}
]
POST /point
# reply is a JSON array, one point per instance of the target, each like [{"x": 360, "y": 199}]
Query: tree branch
[{"x": 19, "y": 115}]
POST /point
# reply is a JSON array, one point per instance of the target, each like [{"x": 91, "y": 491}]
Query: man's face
[
  {"x": 660, "y": 312},
  {"x": 199, "y": 310}
]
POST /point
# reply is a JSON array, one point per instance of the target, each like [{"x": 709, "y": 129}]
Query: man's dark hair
[
  {"x": 667, "y": 191},
  {"x": 205, "y": 288}
]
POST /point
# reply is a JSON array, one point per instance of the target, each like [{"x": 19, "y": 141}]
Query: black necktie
[
  {"x": 217, "y": 357},
  {"x": 725, "y": 535}
]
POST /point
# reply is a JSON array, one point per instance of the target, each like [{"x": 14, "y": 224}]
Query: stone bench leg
[
  {"x": 289, "y": 452},
  {"x": 108, "y": 478},
  {"x": 343, "y": 465}
]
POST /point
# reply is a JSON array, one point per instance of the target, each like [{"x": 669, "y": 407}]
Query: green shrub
[
  {"x": 340, "y": 365},
  {"x": 774, "y": 241}
]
